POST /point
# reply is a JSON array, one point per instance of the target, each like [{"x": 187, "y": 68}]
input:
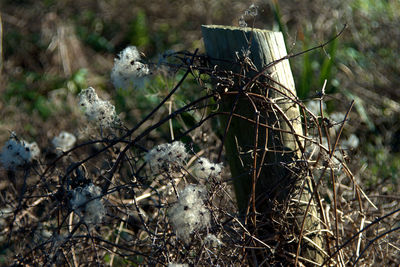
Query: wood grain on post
[{"x": 281, "y": 179}]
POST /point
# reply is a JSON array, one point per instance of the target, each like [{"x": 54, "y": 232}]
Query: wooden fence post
[{"x": 279, "y": 178}]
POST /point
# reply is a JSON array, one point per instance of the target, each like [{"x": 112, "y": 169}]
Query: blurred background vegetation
[{"x": 51, "y": 49}]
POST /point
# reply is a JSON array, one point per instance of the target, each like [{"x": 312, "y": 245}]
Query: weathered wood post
[{"x": 279, "y": 178}]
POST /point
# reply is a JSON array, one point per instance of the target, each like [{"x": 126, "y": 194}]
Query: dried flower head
[
  {"x": 314, "y": 148},
  {"x": 212, "y": 241},
  {"x": 33, "y": 148},
  {"x": 64, "y": 141},
  {"x": 167, "y": 156},
  {"x": 314, "y": 106},
  {"x": 87, "y": 203},
  {"x": 351, "y": 143},
  {"x": 172, "y": 264},
  {"x": 252, "y": 11},
  {"x": 16, "y": 153},
  {"x": 128, "y": 70},
  {"x": 98, "y": 111},
  {"x": 189, "y": 214},
  {"x": 242, "y": 22},
  {"x": 336, "y": 120},
  {"x": 204, "y": 169}
]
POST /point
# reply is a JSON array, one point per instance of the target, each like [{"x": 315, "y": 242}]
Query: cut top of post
[{"x": 264, "y": 46}]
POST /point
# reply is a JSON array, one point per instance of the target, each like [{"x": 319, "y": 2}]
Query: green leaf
[{"x": 139, "y": 33}]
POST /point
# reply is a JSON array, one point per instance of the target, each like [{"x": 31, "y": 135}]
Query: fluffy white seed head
[
  {"x": 212, "y": 241},
  {"x": 97, "y": 111},
  {"x": 314, "y": 148},
  {"x": 242, "y": 22},
  {"x": 337, "y": 120},
  {"x": 128, "y": 70},
  {"x": 64, "y": 141},
  {"x": 16, "y": 153},
  {"x": 189, "y": 214},
  {"x": 171, "y": 264},
  {"x": 91, "y": 212},
  {"x": 192, "y": 195},
  {"x": 315, "y": 107},
  {"x": 204, "y": 169},
  {"x": 351, "y": 143},
  {"x": 165, "y": 157},
  {"x": 34, "y": 149},
  {"x": 252, "y": 11}
]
